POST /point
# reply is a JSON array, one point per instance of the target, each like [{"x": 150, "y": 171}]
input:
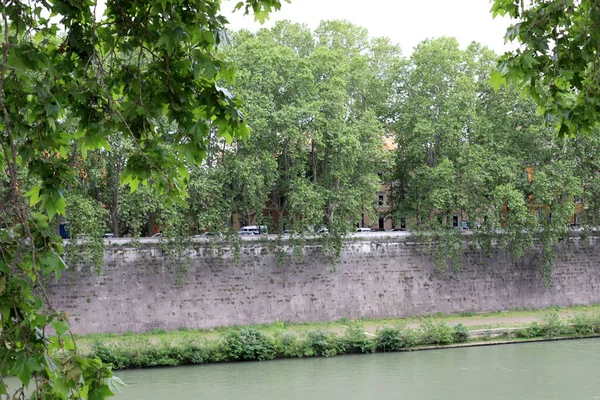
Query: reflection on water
[{"x": 568, "y": 370}]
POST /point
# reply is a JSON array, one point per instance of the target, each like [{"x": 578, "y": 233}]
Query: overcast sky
[{"x": 406, "y": 22}]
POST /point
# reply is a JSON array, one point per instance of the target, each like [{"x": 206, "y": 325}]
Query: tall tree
[
  {"x": 467, "y": 152},
  {"x": 123, "y": 73},
  {"x": 436, "y": 113},
  {"x": 315, "y": 101}
]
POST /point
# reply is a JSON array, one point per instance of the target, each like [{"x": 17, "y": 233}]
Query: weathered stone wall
[{"x": 376, "y": 277}]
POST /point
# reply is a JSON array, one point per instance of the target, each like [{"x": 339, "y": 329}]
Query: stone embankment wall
[{"x": 376, "y": 277}]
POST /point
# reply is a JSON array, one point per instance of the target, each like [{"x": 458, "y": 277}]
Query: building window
[
  {"x": 455, "y": 221},
  {"x": 380, "y": 199},
  {"x": 381, "y": 223},
  {"x": 403, "y": 223}
]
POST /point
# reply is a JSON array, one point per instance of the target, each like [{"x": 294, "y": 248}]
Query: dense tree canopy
[
  {"x": 319, "y": 115},
  {"x": 312, "y": 100},
  {"x": 316, "y": 147},
  {"x": 320, "y": 104},
  {"x": 469, "y": 153}
]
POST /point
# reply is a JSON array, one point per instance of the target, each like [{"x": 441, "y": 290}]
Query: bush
[
  {"x": 550, "y": 323},
  {"x": 585, "y": 324},
  {"x": 193, "y": 353},
  {"x": 356, "y": 340},
  {"x": 215, "y": 351},
  {"x": 112, "y": 356},
  {"x": 156, "y": 357},
  {"x": 287, "y": 346},
  {"x": 596, "y": 322},
  {"x": 436, "y": 333},
  {"x": 410, "y": 337},
  {"x": 249, "y": 344},
  {"x": 389, "y": 339},
  {"x": 582, "y": 324},
  {"x": 461, "y": 333},
  {"x": 531, "y": 331},
  {"x": 319, "y": 343}
]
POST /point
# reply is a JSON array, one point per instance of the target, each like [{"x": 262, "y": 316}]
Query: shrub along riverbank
[{"x": 252, "y": 344}]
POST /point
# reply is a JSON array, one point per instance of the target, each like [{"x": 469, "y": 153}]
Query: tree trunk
[
  {"x": 314, "y": 160},
  {"x": 115, "y": 183},
  {"x": 114, "y": 220},
  {"x": 150, "y": 225},
  {"x": 114, "y": 214}
]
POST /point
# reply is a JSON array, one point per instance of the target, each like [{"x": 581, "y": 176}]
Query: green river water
[{"x": 568, "y": 370}]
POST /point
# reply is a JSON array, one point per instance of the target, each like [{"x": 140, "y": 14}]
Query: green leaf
[
  {"x": 20, "y": 368},
  {"x": 50, "y": 207},
  {"x": 100, "y": 393},
  {"x": 131, "y": 180},
  {"x": 60, "y": 386},
  {"x": 5, "y": 312},
  {"x": 261, "y": 16},
  {"x": 61, "y": 327},
  {"x": 183, "y": 172},
  {"x": 34, "y": 195},
  {"x": 166, "y": 41},
  {"x": 34, "y": 365},
  {"x": 497, "y": 80},
  {"x": 61, "y": 205},
  {"x": 50, "y": 363},
  {"x": 50, "y": 263}
]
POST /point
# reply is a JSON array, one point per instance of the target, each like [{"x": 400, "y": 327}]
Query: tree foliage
[
  {"x": 145, "y": 75},
  {"x": 467, "y": 152},
  {"x": 557, "y": 61},
  {"x": 313, "y": 100}
]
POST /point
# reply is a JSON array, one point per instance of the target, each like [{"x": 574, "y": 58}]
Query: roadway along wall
[{"x": 376, "y": 277}]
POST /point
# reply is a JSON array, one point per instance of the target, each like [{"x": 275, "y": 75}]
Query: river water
[{"x": 566, "y": 370}]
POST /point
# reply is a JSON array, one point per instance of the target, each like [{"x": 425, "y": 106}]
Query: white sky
[{"x": 405, "y": 22}]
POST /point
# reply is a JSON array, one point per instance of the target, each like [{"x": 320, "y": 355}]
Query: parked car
[
  {"x": 108, "y": 235},
  {"x": 253, "y": 230},
  {"x": 310, "y": 229},
  {"x": 364, "y": 230},
  {"x": 399, "y": 230}
]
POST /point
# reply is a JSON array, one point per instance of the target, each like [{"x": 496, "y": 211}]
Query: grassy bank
[{"x": 283, "y": 340}]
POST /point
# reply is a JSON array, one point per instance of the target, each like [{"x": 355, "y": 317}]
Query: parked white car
[
  {"x": 364, "y": 230},
  {"x": 253, "y": 230}
]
